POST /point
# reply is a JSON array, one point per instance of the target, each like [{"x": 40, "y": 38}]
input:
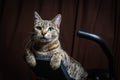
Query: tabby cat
[{"x": 45, "y": 42}]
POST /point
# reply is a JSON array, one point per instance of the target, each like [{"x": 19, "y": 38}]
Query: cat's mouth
[{"x": 44, "y": 39}]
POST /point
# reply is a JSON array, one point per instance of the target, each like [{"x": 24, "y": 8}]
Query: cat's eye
[
  {"x": 50, "y": 28},
  {"x": 39, "y": 27}
]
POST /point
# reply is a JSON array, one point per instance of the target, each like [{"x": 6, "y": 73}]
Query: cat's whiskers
[
  {"x": 28, "y": 43},
  {"x": 31, "y": 32}
]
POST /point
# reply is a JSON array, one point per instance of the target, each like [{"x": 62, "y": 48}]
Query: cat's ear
[
  {"x": 37, "y": 17},
  {"x": 57, "y": 20}
]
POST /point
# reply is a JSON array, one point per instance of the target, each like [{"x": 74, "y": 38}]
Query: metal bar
[{"x": 104, "y": 47}]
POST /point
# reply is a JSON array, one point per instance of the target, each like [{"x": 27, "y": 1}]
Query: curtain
[{"x": 101, "y": 17}]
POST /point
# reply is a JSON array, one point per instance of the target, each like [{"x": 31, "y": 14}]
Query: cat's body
[{"x": 46, "y": 43}]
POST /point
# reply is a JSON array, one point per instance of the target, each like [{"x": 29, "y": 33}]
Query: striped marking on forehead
[{"x": 45, "y": 23}]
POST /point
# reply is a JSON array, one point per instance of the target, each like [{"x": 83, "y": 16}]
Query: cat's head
[{"x": 46, "y": 30}]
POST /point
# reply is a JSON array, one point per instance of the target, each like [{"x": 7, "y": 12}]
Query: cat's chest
[
  {"x": 47, "y": 53},
  {"x": 40, "y": 53}
]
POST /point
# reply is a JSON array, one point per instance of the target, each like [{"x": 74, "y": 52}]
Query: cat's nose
[{"x": 44, "y": 32}]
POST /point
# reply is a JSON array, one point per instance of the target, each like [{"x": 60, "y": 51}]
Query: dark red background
[{"x": 101, "y": 17}]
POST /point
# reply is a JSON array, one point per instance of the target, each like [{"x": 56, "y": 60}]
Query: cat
[{"x": 45, "y": 43}]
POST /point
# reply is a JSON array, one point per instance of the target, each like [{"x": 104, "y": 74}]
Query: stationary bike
[{"x": 43, "y": 68}]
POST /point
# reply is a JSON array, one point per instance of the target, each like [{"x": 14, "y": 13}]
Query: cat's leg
[
  {"x": 55, "y": 61},
  {"x": 30, "y": 58}
]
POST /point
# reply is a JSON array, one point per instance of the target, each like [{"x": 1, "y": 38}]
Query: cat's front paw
[
  {"x": 30, "y": 59},
  {"x": 55, "y": 62}
]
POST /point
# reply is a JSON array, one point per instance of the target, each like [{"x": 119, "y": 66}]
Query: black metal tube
[{"x": 104, "y": 47}]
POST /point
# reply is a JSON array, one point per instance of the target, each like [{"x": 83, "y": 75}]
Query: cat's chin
[{"x": 45, "y": 40}]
